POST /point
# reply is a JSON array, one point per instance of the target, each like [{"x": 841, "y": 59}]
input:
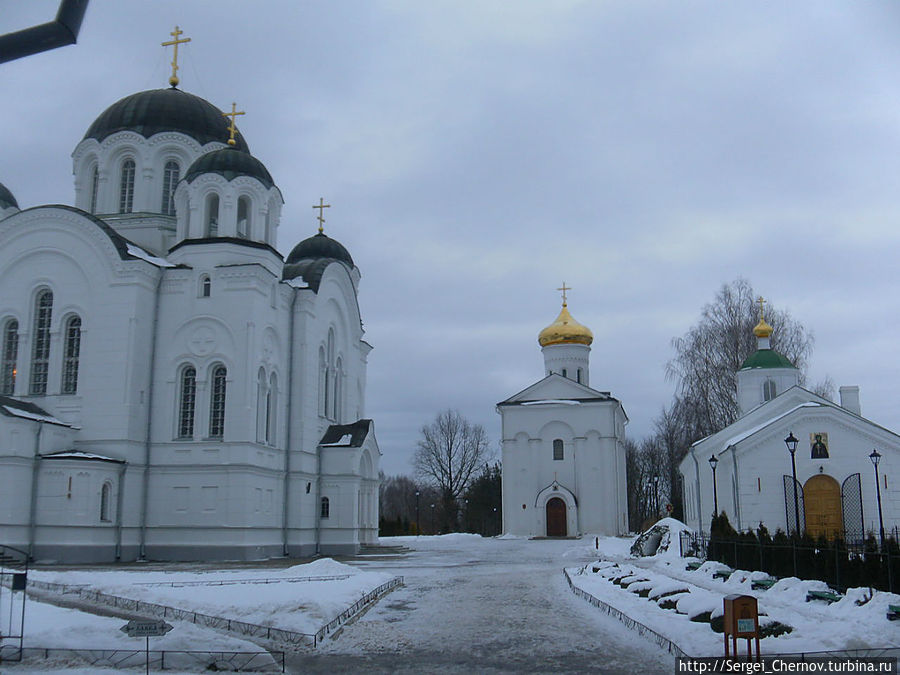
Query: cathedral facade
[
  {"x": 172, "y": 387},
  {"x": 563, "y": 471}
]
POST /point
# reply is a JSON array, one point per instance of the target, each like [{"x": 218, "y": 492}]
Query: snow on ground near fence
[
  {"x": 817, "y": 626},
  {"x": 303, "y": 607}
]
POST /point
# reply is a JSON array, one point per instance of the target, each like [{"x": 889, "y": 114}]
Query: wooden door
[
  {"x": 556, "y": 518},
  {"x": 822, "y": 502}
]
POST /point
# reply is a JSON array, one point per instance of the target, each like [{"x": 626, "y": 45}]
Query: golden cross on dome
[
  {"x": 232, "y": 129},
  {"x": 761, "y": 303},
  {"x": 174, "y": 43},
  {"x": 564, "y": 289},
  {"x": 321, "y": 206}
]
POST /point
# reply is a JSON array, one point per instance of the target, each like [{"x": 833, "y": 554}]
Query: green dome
[{"x": 766, "y": 358}]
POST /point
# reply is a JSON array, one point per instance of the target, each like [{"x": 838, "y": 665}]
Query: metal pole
[
  {"x": 147, "y": 654},
  {"x": 715, "y": 494},
  {"x": 796, "y": 501},
  {"x": 418, "y": 522},
  {"x": 880, "y": 517}
]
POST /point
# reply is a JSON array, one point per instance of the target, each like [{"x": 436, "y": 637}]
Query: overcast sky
[{"x": 477, "y": 154}]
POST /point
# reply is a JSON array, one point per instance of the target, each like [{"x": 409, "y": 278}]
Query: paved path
[{"x": 485, "y": 606}]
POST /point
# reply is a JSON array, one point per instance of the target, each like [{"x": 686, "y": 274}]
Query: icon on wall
[{"x": 818, "y": 445}]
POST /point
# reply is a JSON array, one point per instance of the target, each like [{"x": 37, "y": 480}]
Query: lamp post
[
  {"x": 791, "y": 444},
  {"x": 714, "y": 462},
  {"x": 418, "y": 522},
  {"x": 656, "y": 496},
  {"x": 495, "y": 520},
  {"x": 876, "y": 457},
  {"x": 432, "y": 519}
]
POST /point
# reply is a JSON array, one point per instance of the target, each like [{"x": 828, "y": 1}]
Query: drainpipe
[
  {"x": 287, "y": 433},
  {"x": 145, "y": 496},
  {"x": 699, "y": 500},
  {"x": 35, "y": 472},
  {"x": 119, "y": 501},
  {"x": 737, "y": 488}
]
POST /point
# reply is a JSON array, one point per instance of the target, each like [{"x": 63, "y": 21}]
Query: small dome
[
  {"x": 151, "y": 112},
  {"x": 565, "y": 330},
  {"x": 320, "y": 246},
  {"x": 762, "y": 329},
  {"x": 767, "y": 358},
  {"x": 6, "y": 198},
  {"x": 230, "y": 163}
]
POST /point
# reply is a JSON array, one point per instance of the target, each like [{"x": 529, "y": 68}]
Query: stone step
[{"x": 383, "y": 549}]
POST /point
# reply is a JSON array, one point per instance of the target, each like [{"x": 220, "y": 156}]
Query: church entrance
[
  {"x": 556, "y": 518},
  {"x": 822, "y": 503}
]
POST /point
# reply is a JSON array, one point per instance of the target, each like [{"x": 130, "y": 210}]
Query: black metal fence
[
  {"x": 159, "y": 659},
  {"x": 837, "y": 563}
]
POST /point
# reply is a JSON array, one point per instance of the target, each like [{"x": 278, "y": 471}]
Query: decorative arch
[
  {"x": 366, "y": 469},
  {"x": 547, "y": 506}
]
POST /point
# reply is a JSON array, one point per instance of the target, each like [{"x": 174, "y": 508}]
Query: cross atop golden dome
[
  {"x": 762, "y": 329},
  {"x": 565, "y": 329}
]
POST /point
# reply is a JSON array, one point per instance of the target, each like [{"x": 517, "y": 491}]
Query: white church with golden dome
[{"x": 563, "y": 444}]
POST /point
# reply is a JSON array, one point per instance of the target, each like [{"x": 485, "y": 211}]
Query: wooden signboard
[{"x": 741, "y": 621}]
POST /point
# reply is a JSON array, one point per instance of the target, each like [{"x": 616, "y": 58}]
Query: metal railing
[
  {"x": 358, "y": 606},
  {"x": 229, "y": 582},
  {"x": 159, "y": 659}
]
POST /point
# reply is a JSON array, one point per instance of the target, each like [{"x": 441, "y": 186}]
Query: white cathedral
[
  {"x": 171, "y": 387},
  {"x": 563, "y": 469}
]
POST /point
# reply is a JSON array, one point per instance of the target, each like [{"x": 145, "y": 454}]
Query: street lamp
[
  {"x": 714, "y": 462},
  {"x": 876, "y": 457},
  {"x": 418, "y": 522},
  {"x": 791, "y": 444},
  {"x": 432, "y": 519}
]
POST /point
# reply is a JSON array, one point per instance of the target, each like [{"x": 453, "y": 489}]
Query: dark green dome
[
  {"x": 320, "y": 246},
  {"x": 151, "y": 112},
  {"x": 6, "y": 198},
  {"x": 230, "y": 163},
  {"x": 766, "y": 358}
]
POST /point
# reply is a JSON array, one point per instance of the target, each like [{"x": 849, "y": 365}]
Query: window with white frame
[
  {"x": 10, "y": 353},
  {"x": 326, "y": 508},
  {"x": 95, "y": 187},
  {"x": 243, "y": 217},
  {"x": 558, "y": 452},
  {"x": 769, "y": 390},
  {"x": 217, "y": 403},
  {"x": 205, "y": 286},
  {"x": 40, "y": 346},
  {"x": 126, "y": 187},
  {"x": 212, "y": 216},
  {"x": 170, "y": 180},
  {"x": 187, "y": 402},
  {"x": 71, "y": 353}
]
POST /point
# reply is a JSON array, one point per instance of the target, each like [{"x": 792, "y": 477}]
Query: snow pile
[{"x": 662, "y": 539}]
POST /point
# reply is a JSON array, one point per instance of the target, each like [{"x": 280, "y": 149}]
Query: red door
[{"x": 556, "y": 518}]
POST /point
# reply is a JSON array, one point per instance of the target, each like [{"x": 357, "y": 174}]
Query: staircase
[{"x": 383, "y": 549}]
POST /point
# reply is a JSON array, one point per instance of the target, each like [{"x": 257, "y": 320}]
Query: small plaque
[{"x": 745, "y": 626}]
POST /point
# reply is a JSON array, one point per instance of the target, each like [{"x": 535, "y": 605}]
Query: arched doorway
[
  {"x": 822, "y": 503},
  {"x": 556, "y": 518}
]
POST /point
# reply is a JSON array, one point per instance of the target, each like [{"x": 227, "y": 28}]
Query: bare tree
[{"x": 447, "y": 455}]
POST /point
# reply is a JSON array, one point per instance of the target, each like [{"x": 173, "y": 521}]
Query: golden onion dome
[
  {"x": 565, "y": 330},
  {"x": 762, "y": 329}
]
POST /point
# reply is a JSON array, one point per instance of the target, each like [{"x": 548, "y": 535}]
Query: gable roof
[
  {"x": 556, "y": 389},
  {"x": 346, "y": 435}
]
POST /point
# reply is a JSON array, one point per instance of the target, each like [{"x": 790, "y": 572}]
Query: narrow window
[
  {"x": 769, "y": 390},
  {"x": 217, "y": 403},
  {"x": 104, "y": 503},
  {"x": 205, "y": 286},
  {"x": 170, "y": 180},
  {"x": 243, "y": 218},
  {"x": 40, "y": 350},
  {"x": 565, "y": 373},
  {"x": 95, "y": 186},
  {"x": 557, "y": 449},
  {"x": 338, "y": 390},
  {"x": 578, "y": 376},
  {"x": 188, "y": 401},
  {"x": 261, "y": 406},
  {"x": 326, "y": 507},
  {"x": 212, "y": 215},
  {"x": 71, "y": 352},
  {"x": 10, "y": 352},
  {"x": 268, "y": 226},
  {"x": 323, "y": 381},
  {"x": 270, "y": 409},
  {"x": 126, "y": 187}
]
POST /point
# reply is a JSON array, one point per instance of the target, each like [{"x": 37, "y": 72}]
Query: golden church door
[
  {"x": 556, "y": 518},
  {"x": 822, "y": 502}
]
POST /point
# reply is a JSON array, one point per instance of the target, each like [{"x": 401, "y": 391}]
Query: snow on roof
[
  {"x": 749, "y": 432},
  {"x": 563, "y": 401},
  {"x": 37, "y": 417},
  {"x": 343, "y": 440},
  {"x": 78, "y": 454},
  {"x": 297, "y": 282},
  {"x": 138, "y": 252}
]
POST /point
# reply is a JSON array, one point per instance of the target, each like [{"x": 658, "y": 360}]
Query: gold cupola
[
  {"x": 565, "y": 330},
  {"x": 762, "y": 329}
]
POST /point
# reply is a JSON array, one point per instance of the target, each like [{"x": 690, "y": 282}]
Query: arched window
[
  {"x": 212, "y": 216},
  {"x": 10, "y": 352},
  {"x": 217, "y": 403},
  {"x": 338, "y": 390},
  {"x": 95, "y": 187},
  {"x": 323, "y": 382},
  {"x": 126, "y": 187},
  {"x": 268, "y": 232},
  {"x": 105, "y": 493},
  {"x": 243, "y": 217},
  {"x": 40, "y": 347},
  {"x": 565, "y": 373},
  {"x": 261, "y": 403},
  {"x": 557, "y": 449},
  {"x": 71, "y": 352},
  {"x": 769, "y": 390},
  {"x": 326, "y": 507},
  {"x": 329, "y": 376},
  {"x": 205, "y": 286},
  {"x": 187, "y": 403},
  {"x": 271, "y": 401},
  {"x": 170, "y": 180}
]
